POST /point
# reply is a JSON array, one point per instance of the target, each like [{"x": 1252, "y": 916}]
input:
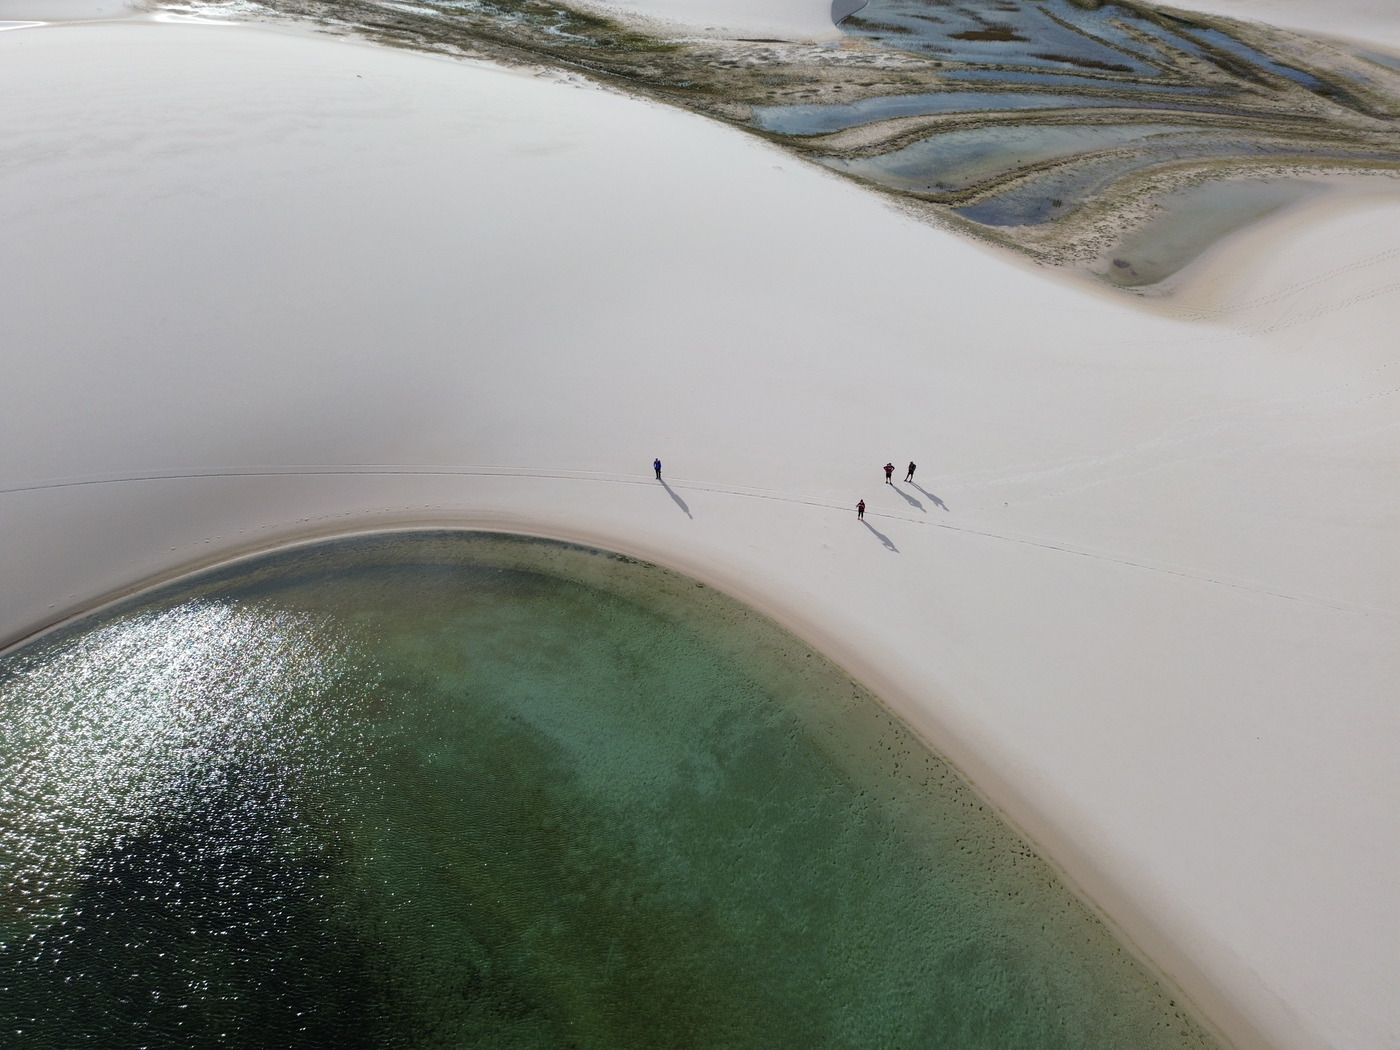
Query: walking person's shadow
[
  {"x": 889, "y": 544},
  {"x": 679, "y": 502},
  {"x": 936, "y": 501}
]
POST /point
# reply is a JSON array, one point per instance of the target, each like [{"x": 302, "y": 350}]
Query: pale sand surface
[
  {"x": 1375, "y": 21},
  {"x": 302, "y": 286},
  {"x": 64, "y": 10}
]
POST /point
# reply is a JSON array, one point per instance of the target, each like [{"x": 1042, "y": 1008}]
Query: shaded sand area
[
  {"x": 1143, "y": 590},
  {"x": 439, "y": 789}
]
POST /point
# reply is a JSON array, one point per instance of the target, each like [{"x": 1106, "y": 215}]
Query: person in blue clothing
[{"x": 656, "y": 466}]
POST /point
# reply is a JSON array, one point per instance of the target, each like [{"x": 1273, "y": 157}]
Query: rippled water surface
[{"x": 451, "y": 790}]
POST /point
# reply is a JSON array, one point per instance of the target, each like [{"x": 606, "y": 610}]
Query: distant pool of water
[
  {"x": 1381, "y": 58},
  {"x": 1073, "y": 80},
  {"x": 957, "y": 159},
  {"x": 1036, "y": 33},
  {"x": 1229, "y": 44},
  {"x": 1192, "y": 219},
  {"x": 817, "y": 119},
  {"x": 447, "y": 789}
]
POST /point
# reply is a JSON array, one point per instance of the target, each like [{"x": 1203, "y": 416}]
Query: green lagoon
[{"x": 448, "y": 789}]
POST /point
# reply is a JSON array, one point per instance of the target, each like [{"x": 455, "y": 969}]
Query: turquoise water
[{"x": 453, "y": 790}]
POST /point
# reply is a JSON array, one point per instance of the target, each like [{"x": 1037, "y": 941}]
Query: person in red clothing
[
  {"x": 860, "y": 511},
  {"x": 889, "y": 473}
]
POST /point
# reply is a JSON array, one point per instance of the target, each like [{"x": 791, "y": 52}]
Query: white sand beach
[{"x": 1145, "y": 590}]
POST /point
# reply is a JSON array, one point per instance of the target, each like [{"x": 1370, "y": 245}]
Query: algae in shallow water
[{"x": 447, "y": 789}]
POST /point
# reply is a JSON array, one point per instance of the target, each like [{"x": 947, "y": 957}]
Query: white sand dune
[
  {"x": 1146, "y": 590},
  {"x": 65, "y": 10},
  {"x": 1373, "y": 21}
]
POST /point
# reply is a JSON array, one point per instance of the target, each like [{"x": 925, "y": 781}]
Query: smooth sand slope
[
  {"x": 1146, "y": 590},
  {"x": 1373, "y": 21}
]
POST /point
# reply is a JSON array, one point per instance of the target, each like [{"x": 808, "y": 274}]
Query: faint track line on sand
[{"x": 606, "y": 477}]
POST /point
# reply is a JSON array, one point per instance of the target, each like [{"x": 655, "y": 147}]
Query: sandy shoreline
[{"x": 1144, "y": 593}]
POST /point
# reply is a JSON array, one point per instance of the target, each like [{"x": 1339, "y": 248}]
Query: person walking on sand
[
  {"x": 656, "y": 466},
  {"x": 910, "y": 475},
  {"x": 889, "y": 473},
  {"x": 860, "y": 511}
]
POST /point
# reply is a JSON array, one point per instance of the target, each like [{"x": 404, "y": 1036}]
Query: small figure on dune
[
  {"x": 656, "y": 466},
  {"x": 860, "y": 511},
  {"x": 910, "y": 475},
  {"x": 889, "y": 473}
]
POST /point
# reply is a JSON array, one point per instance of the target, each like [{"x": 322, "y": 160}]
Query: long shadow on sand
[
  {"x": 936, "y": 501},
  {"x": 908, "y": 498},
  {"x": 679, "y": 502},
  {"x": 889, "y": 543}
]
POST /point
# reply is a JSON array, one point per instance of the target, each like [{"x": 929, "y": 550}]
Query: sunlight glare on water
[{"x": 121, "y": 722}]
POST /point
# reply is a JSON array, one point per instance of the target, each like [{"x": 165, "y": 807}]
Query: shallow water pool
[
  {"x": 1192, "y": 219},
  {"x": 958, "y": 159},
  {"x": 449, "y": 789},
  {"x": 821, "y": 119}
]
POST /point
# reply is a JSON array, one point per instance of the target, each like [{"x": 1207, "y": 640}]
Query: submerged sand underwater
[{"x": 446, "y": 789}]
